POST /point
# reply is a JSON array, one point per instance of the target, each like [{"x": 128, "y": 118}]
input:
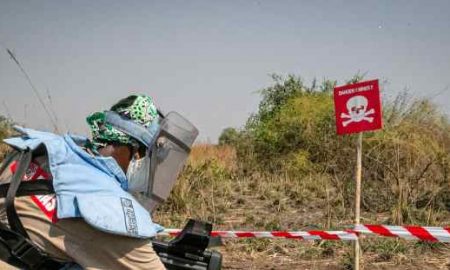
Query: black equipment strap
[
  {"x": 15, "y": 246},
  {"x": 13, "y": 218},
  {"x": 22, "y": 252},
  {"x": 28, "y": 188}
]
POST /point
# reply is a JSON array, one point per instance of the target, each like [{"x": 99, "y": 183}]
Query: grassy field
[{"x": 213, "y": 187}]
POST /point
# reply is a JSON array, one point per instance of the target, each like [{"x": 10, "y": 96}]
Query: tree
[{"x": 229, "y": 136}]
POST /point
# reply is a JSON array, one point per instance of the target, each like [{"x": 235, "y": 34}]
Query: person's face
[{"x": 123, "y": 154}]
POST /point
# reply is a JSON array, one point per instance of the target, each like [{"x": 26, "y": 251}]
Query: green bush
[
  {"x": 406, "y": 165},
  {"x": 229, "y": 136}
]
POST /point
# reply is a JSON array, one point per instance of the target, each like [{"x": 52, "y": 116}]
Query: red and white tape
[
  {"x": 433, "y": 234},
  {"x": 299, "y": 235}
]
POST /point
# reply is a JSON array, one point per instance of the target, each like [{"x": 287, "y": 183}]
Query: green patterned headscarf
[{"x": 138, "y": 108}]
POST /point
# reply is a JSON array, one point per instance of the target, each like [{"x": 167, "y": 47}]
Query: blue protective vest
[{"x": 93, "y": 188}]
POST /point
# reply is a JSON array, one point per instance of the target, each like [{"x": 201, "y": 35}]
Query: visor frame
[{"x": 146, "y": 136}]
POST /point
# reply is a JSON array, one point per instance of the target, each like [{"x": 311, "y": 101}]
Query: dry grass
[
  {"x": 214, "y": 188},
  {"x": 3, "y": 150},
  {"x": 5, "y": 132},
  {"x": 225, "y": 155}
]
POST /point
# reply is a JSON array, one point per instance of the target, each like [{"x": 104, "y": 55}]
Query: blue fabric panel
[
  {"x": 91, "y": 187},
  {"x": 95, "y": 209}
]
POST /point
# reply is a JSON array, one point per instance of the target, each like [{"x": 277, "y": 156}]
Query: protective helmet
[{"x": 167, "y": 139}]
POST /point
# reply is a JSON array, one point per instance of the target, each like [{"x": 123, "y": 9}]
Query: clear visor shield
[
  {"x": 138, "y": 174},
  {"x": 167, "y": 158}
]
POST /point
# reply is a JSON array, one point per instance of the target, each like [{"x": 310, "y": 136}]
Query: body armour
[{"x": 90, "y": 187}]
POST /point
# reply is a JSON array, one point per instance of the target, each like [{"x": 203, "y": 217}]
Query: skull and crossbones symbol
[{"x": 357, "y": 111}]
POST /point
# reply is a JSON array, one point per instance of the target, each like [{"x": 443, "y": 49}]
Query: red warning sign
[{"x": 357, "y": 107}]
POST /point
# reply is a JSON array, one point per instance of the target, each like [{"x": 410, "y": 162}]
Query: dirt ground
[{"x": 428, "y": 262}]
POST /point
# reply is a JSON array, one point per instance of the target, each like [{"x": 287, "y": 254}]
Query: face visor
[{"x": 151, "y": 178}]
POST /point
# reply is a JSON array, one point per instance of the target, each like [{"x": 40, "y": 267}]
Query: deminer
[{"x": 68, "y": 202}]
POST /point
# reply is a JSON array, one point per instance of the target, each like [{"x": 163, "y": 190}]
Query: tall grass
[
  {"x": 5, "y": 131},
  {"x": 295, "y": 160},
  {"x": 406, "y": 165},
  {"x": 292, "y": 172},
  {"x": 215, "y": 187},
  {"x": 203, "y": 187}
]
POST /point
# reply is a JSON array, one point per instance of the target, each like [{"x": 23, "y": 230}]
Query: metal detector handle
[{"x": 188, "y": 251}]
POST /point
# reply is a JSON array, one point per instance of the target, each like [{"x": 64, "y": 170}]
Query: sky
[{"x": 208, "y": 59}]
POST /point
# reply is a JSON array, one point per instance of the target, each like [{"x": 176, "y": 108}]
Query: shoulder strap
[
  {"x": 21, "y": 252},
  {"x": 13, "y": 218},
  {"x": 15, "y": 246},
  {"x": 28, "y": 188},
  {"x": 35, "y": 187}
]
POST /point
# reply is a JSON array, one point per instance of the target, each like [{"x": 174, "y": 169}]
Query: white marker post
[
  {"x": 358, "y": 194},
  {"x": 357, "y": 109}
]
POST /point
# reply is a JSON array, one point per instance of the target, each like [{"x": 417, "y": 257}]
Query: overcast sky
[{"x": 207, "y": 59}]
